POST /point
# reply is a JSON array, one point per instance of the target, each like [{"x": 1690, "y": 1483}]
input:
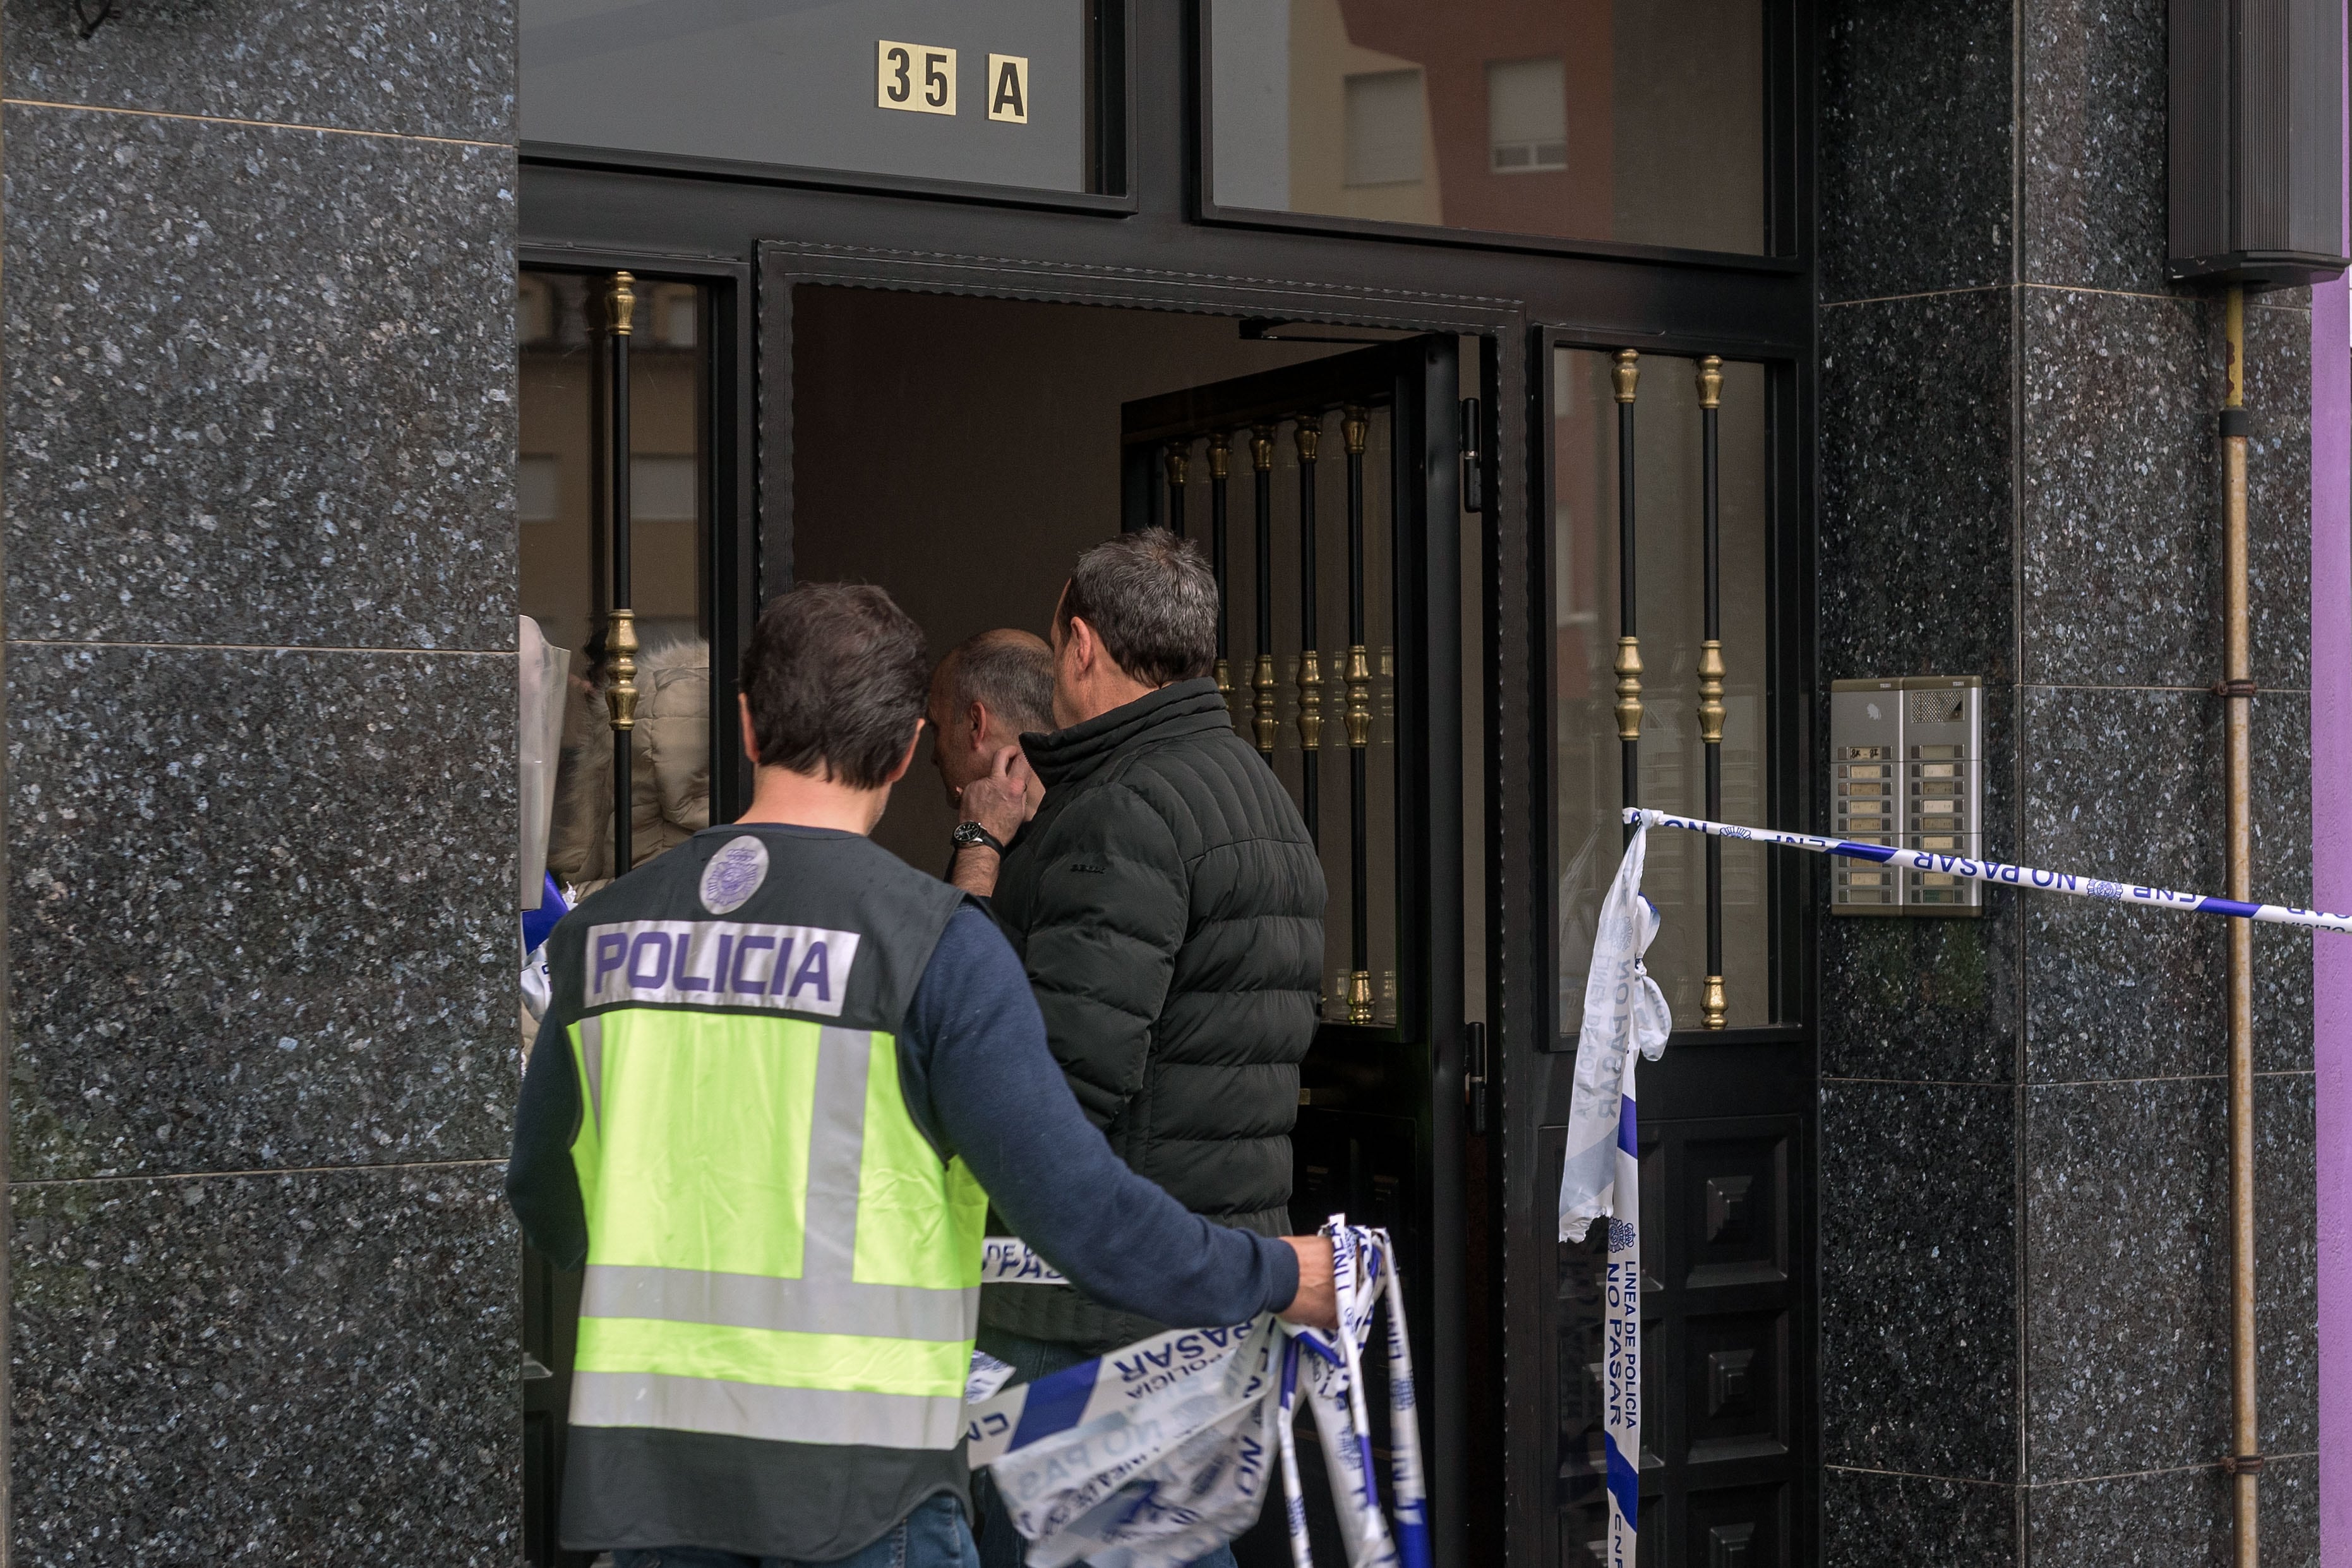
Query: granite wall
[
  {"x": 2024, "y": 1179},
  {"x": 255, "y": 286}
]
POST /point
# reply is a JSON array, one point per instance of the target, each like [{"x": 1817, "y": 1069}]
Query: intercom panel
[{"x": 1905, "y": 759}]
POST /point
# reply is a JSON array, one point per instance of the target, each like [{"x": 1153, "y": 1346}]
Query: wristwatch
[{"x": 966, "y": 834}]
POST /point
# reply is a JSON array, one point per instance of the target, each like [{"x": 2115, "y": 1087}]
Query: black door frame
[
  {"x": 728, "y": 588},
  {"x": 1429, "y": 861},
  {"x": 731, "y": 576},
  {"x": 1713, "y": 1076},
  {"x": 1158, "y": 246}
]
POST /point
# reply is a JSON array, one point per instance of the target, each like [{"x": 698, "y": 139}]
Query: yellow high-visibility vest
[{"x": 775, "y": 1248}]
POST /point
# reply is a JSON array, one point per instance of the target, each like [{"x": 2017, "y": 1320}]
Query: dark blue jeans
[
  {"x": 1001, "y": 1545},
  {"x": 933, "y": 1536}
]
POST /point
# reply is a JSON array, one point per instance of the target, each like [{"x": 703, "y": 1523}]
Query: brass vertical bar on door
[
  {"x": 1623, "y": 377},
  {"x": 1179, "y": 461},
  {"x": 1267, "y": 721},
  {"x": 1218, "y": 452},
  {"x": 1309, "y": 435},
  {"x": 621, "y": 629},
  {"x": 1713, "y": 1006},
  {"x": 1352, "y": 426}
]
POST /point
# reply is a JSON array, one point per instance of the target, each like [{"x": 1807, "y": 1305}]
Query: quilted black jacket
[{"x": 1169, "y": 908}]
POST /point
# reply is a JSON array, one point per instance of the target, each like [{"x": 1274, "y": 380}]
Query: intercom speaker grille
[{"x": 1934, "y": 708}]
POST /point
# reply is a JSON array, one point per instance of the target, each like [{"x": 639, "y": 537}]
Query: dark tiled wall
[
  {"x": 2025, "y": 1188},
  {"x": 259, "y": 609}
]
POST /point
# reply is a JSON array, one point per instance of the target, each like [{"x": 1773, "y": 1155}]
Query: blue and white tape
[
  {"x": 537, "y": 925},
  {"x": 1408, "y": 1497},
  {"x": 1155, "y": 1455},
  {"x": 1621, "y": 1322},
  {"x": 1625, "y": 1022},
  {"x": 2002, "y": 875},
  {"x": 1005, "y": 1261}
]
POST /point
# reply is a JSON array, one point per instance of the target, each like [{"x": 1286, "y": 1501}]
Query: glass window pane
[
  {"x": 1669, "y": 622},
  {"x": 561, "y": 497},
  {"x": 1639, "y": 121},
  {"x": 939, "y": 89}
]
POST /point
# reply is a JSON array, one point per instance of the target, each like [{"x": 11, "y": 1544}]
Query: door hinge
[
  {"x": 1474, "y": 470},
  {"x": 1473, "y": 1075}
]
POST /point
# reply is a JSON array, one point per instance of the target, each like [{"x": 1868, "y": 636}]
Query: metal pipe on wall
[
  {"x": 2245, "y": 1462},
  {"x": 1713, "y": 1007},
  {"x": 621, "y": 628},
  {"x": 1623, "y": 378}
]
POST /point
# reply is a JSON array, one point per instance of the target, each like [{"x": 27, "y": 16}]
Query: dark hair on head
[
  {"x": 1152, "y": 599},
  {"x": 1009, "y": 672},
  {"x": 837, "y": 675}
]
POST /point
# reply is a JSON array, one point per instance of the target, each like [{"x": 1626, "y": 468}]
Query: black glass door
[{"x": 1327, "y": 496}]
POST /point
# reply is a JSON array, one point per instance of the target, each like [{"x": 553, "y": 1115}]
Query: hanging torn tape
[
  {"x": 1155, "y": 1455},
  {"x": 2003, "y": 875},
  {"x": 1626, "y": 1021}
]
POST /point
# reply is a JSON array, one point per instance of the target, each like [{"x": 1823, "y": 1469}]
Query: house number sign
[{"x": 921, "y": 79}]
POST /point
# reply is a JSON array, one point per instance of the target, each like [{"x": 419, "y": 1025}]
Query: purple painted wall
[{"x": 2331, "y": 888}]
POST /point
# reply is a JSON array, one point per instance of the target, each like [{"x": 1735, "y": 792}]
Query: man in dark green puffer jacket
[{"x": 1167, "y": 905}]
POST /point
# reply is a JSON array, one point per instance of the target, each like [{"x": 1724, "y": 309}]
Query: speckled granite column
[
  {"x": 259, "y": 609},
  {"x": 2024, "y": 1179}
]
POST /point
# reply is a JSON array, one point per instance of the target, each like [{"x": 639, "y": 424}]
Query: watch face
[{"x": 971, "y": 833}]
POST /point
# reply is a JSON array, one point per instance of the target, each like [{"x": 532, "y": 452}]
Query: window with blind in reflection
[{"x": 1593, "y": 119}]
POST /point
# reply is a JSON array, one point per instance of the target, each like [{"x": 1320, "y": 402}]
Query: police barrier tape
[
  {"x": 1626, "y": 1021},
  {"x": 2003, "y": 875},
  {"x": 1158, "y": 1454},
  {"x": 1005, "y": 1260}
]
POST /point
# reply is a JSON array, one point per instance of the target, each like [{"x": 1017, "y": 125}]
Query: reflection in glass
[
  {"x": 561, "y": 501},
  {"x": 1586, "y": 782},
  {"x": 1384, "y": 121},
  {"x": 561, "y": 347},
  {"x": 1639, "y": 121},
  {"x": 1002, "y": 88}
]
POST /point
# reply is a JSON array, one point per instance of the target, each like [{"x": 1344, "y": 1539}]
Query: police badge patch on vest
[
  {"x": 719, "y": 963},
  {"x": 734, "y": 875}
]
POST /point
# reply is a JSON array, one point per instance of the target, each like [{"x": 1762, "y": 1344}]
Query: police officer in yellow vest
[{"x": 781, "y": 1078}]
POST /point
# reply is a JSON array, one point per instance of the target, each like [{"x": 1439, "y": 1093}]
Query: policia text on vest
[{"x": 770, "y": 1140}]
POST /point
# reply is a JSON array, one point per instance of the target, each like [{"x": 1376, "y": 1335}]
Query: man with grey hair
[
  {"x": 991, "y": 686},
  {"x": 1168, "y": 906}
]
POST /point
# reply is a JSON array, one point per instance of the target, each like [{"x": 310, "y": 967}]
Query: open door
[{"x": 1327, "y": 495}]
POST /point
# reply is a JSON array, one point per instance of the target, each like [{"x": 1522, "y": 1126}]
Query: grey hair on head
[
  {"x": 1152, "y": 601},
  {"x": 1010, "y": 672}
]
